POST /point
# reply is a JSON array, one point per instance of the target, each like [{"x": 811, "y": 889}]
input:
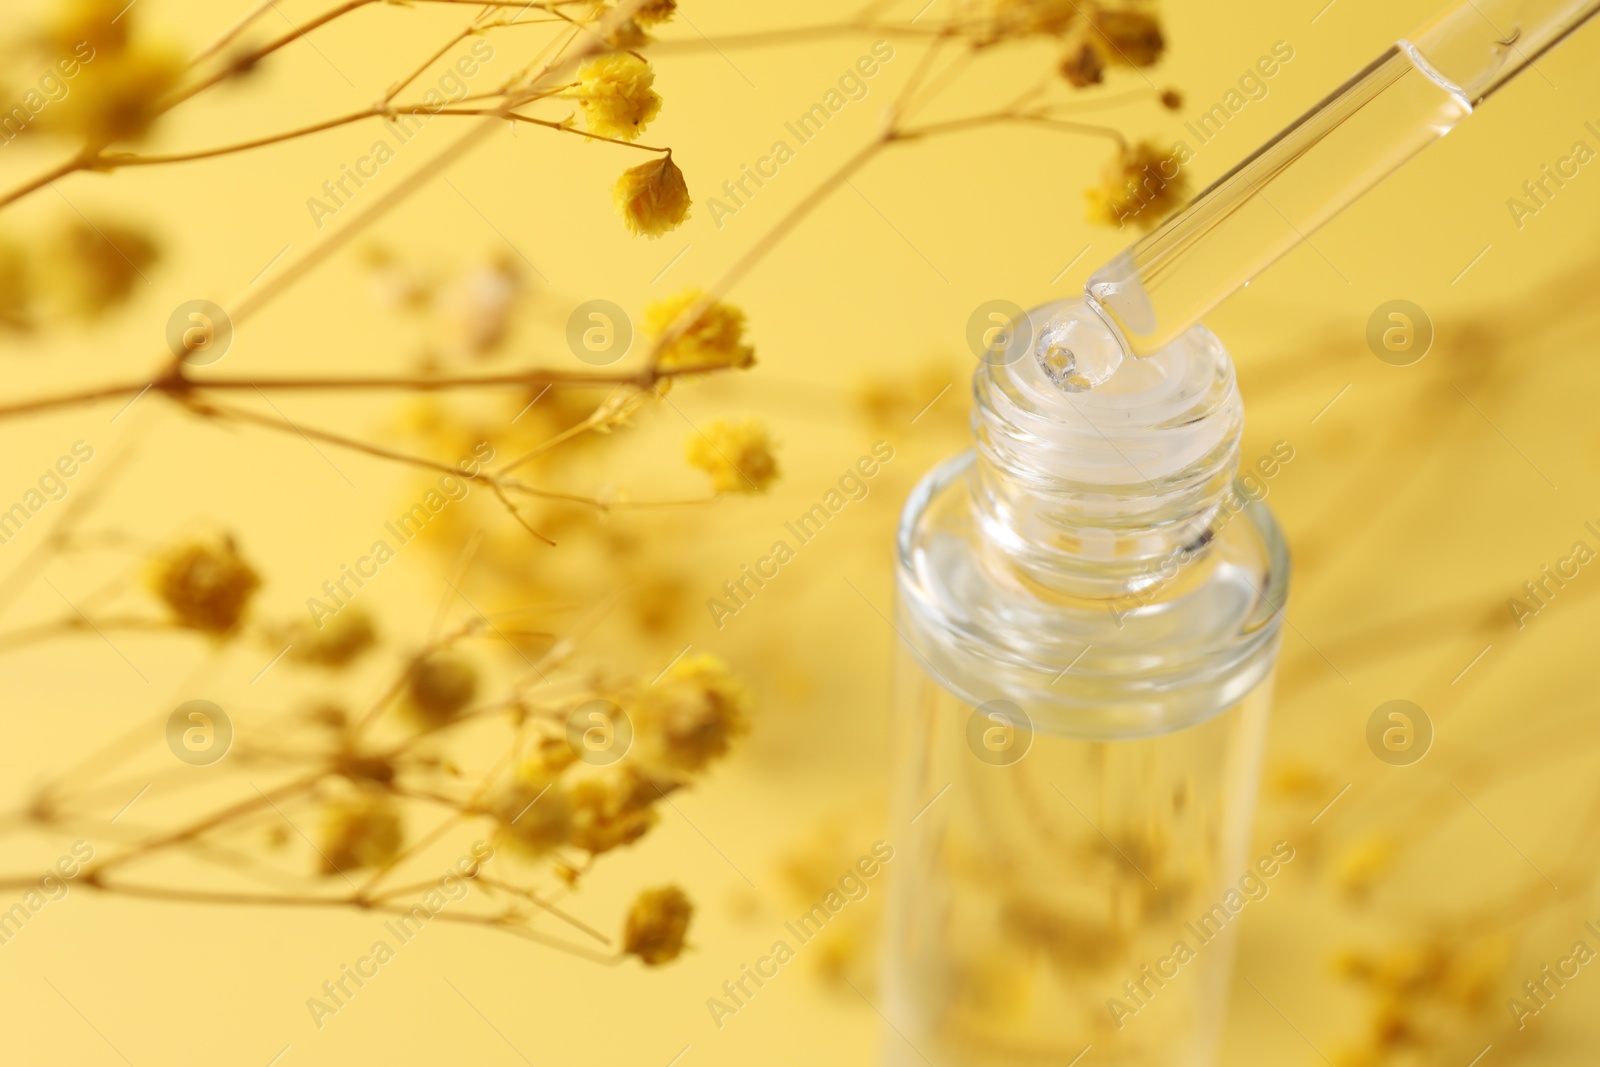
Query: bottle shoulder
[{"x": 1183, "y": 639}]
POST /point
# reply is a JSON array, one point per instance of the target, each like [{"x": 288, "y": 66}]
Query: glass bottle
[{"x": 1090, "y": 604}]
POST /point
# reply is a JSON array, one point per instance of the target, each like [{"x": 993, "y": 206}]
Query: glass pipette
[{"x": 1400, "y": 103}]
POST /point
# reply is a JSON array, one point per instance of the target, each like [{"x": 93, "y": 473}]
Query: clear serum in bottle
[{"x": 1091, "y": 604}]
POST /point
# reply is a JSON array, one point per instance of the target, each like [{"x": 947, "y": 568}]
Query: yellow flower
[
  {"x": 535, "y": 814},
  {"x": 1128, "y": 37},
  {"x": 361, "y": 832},
  {"x": 1022, "y": 18},
  {"x": 738, "y": 456},
  {"x": 691, "y": 716},
  {"x": 656, "y": 925},
  {"x": 627, "y": 36},
  {"x": 99, "y": 264},
  {"x": 338, "y": 643},
  {"x": 94, "y": 23},
  {"x": 1083, "y": 65},
  {"x": 612, "y": 809},
  {"x": 629, "y": 33},
  {"x": 206, "y": 585},
  {"x": 716, "y": 339},
  {"x": 1364, "y": 864},
  {"x": 616, "y": 95},
  {"x": 1302, "y": 782},
  {"x": 1141, "y": 184},
  {"x": 655, "y": 12},
  {"x": 439, "y": 686},
  {"x": 118, "y": 96},
  {"x": 652, "y": 198}
]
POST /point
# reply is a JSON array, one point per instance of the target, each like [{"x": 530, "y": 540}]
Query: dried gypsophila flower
[
  {"x": 1123, "y": 37},
  {"x": 690, "y": 716},
  {"x": 1143, "y": 183},
  {"x": 340, "y": 640},
  {"x": 534, "y": 814},
  {"x": 652, "y": 198},
  {"x": 120, "y": 81},
  {"x": 1083, "y": 65},
  {"x": 630, "y": 32},
  {"x": 737, "y": 455},
  {"x": 98, "y": 264},
  {"x": 1129, "y": 37},
  {"x": 657, "y": 924},
  {"x": 476, "y": 312},
  {"x": 363, "y": 831},
  {"x": 627, "y": 35},
  {"x": 655, "y": 12},
  {"x": 612, "y": 809},
  {"x": 206, "y": 584},
  {"x": 439, "y": 686},
  {"x": 616, "y": 95},
  {"x": 1027, "y": 18},
  {"x": 714, "y": 340}
]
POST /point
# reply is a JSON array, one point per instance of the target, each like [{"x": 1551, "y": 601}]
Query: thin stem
[
  {"x": 376, "y": 878},
  {"x": 565, "y": 435},
  {"x": 766, "y": 244},
  {"x": 263, "y": 52},
  {"x": 130, "y": 159},
  {"x": 230, "y": 34},
  {"x": 62, "y": 531},
  {"x": 399, "y": 86},
  {"x": 538, "y": 901},
  {"x": 94, "y": 873},
  {"x": 822, "y": 31},
  {"x": 77, "y": 623},
  {"x": 258, "y": 297},
  {"x": 1034, "y": 117},
  {"x": 574, "y": 130},
  {"x": 530, "y": 379},
  {"x": 494, "y": 482},
  {"x": 71, "y": 166},
  {"x": 918, "y": 73},
  {"x": 500, "y": 495},
  {"x": 507, "y": 922}
]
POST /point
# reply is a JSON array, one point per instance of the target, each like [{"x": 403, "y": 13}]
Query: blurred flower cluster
[{"x": 415, "y": 730}]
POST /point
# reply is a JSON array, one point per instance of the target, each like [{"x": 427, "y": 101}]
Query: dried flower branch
[{"x": 544, "y": 789}]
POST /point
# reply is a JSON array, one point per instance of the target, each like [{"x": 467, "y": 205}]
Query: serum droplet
[{"x": 1078, "y": 351}]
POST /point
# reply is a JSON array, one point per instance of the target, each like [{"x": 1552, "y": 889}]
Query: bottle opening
[{"x": 1089, "y": 489}]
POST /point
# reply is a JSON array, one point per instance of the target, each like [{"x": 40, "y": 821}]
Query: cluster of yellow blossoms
[
  {"x": 1143, "y": 183},
  {"x": 617, "y": 94},
  {"x": 679, "y": 725},
  {"x": 204, "y": 583},
  {"x": 657, "y": 925},
  {"x": 615, "y": 91},
  {"x": 652, "y": 198},
  {"x": 361, "y": 831},
  {"x": 713, "y": 341},
  {"x": 738, "y": 455},
  {"x": 121, "y": 81}
]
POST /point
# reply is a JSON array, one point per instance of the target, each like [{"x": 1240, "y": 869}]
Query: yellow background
[{"x": 1416, "y": 505}]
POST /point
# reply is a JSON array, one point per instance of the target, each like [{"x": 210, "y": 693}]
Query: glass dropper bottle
[
  {"x": 1090, "y": 602},
  {"x": 1401, "y": 102},
  {"x": 1091, "y": 606}
]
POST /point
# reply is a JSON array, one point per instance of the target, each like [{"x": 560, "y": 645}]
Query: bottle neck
[{"x": 1106, "y": 492}]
